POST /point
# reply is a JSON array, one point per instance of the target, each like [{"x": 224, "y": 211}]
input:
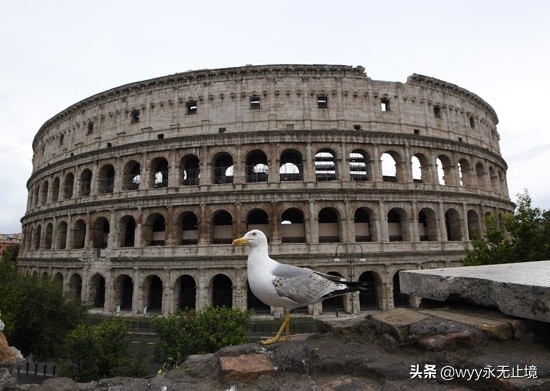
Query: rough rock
[
  {"x": 7, "y": 358},
  {"x": 517, "y": 289},
  {"x": 396, "y": 322},
  {"x": 337, "y": 325},
  {"x": 245, "y": 367},
  {"x": 449, "y": 341},
  {"x": 6, "y": 380}
]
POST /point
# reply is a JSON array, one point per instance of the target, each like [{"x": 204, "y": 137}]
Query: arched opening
[
  {"x": 453, "y": 225},
  {"x": 79, "y": 234},
  {"x": 37, "y": 237},
  {"x": 256, "y": 167},
  {"x": 124, "y": 292},
  {"x": 465, "y": 173},
  {"x": 390, "y": 163},
  {"x": 481, "y": 176},
  {"x": 222, "y": 291},
  {"x": 474, "y": 225},
  {"x": 191, "y": 171},
  {"x": 55, "y": 189},
  {"x": 329, "y": 231},
  {"x": 223, "y": 169},
  {"x": 159, "y": 173},
  {"x": 49, "y": 237},
  {"x": 399, "y": 299},
  {"x": 155, "y": 230},
  {"x": 325, "y": 165},
  {"x": 222, "y": 225},
  {"x": 397, "y": 225},
  {"x": 258, "y": 219},
  {"x": 85, "y": 183},
  {"x": 445, "y": 171},
  {"x": 152, "y": 286},
  {"x": 100, "y": 233},
  {"x": 68, "y": 186},
  {"x": 58, "y": 279},
  {"x": 97, "y": 291},
  {"x": 131, "y": 176},
  {"x": 189, "y": 224},
  {"x": 362, "y": 224},
  {"x": 427, "y": 225},
  {"x": 128, "y": 231},
  {"x": 416, "y": 169},
  {"x": 368, "y": 298},
  {"x": 359, "y": 168},
  {"x": 44, "y": 197},
  {"x": 494, "y": 180},
  {"x": 75, "y": 286},
  {"x": 62, "y": 235},
  {"x": 292, "y": 226},
  {"x": 253, "y": 303},
  {"x": 107, "y": 179},
  {"x": 291, "y": 166},
  {"x": 186, "y": 292}
]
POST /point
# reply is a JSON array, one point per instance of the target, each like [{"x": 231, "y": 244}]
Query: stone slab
[
  {"x": 517, "y": 289},
  {"x": 245, "y": 367},
  {"x": 396, "y": 322}
]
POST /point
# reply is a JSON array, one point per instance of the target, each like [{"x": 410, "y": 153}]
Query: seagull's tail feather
[{"x": 351, "y": 286}]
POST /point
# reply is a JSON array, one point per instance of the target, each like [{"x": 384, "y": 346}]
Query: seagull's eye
[{"x": 253, "y": 233}]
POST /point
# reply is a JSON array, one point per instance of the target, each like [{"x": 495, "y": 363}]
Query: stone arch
[
  {"x": 465, "y": 173},
  {"x": 159, "y": 172},
  {"x": 453, "y": 224},
  {"x": 223, "y": 168},
  {"x": 127, "y": 231},
  {"x": 222, "y": 227},
  {"x": 369, "y": 297},
  {"x": 293, "y": 228},
  {"x": 107, "y": 178},
  {"x": 131, "y": 175},
  {"x": 398, "y": 227},
  {"x": 44, "y": 195},
  {"x": 48, "y": 239},
  {"x": 256, "y": 167},
  {"x": 329, "y": 230},
  {"x": 481, "y": 176},
  {"x": 123, "y": 292},
  {"x": 100, "y": 233},
  {"x": 56, "y": 185},
  {"x": 427, "y": 225},
  {"x": 325, "y": 165},
  {"x": 190, "y": 170},
  {"x": 152, "y": 293},
  {"x": 58, "y": 278},
  {"x": 258, "y": 219},
  {"x": 222, "y": 291},
  {"x": 37, "y": 237},
  {"x": 363, "y": 221},
  {"x": 62, "y": 229},
  {"x": 420, "y": 168},
  {"x": 445, "y": 170},
  {"x": 75, "y": 286},
  {"x": 392, "y": 169},
  {"x": 68, "y": 186},
  {"x": 97, "y": 288},
  {"x": 85, "y": 182},
  {"x": 79, "y": 234},
  {"x": 185, "y": 292},
  {"x": 474, "y": 225},
  {"x": 359, "y": 166},
  {"x": 292, "y": 166},
  {"x": 154, "y": 230},
  {"x": 188, "y": 228}
]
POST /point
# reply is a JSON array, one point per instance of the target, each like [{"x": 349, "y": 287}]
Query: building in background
[
  {"x": 9, "y": 240},
  {"x": 137, "y": 192}
]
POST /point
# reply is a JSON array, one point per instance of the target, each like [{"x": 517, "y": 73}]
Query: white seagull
[{"x": 280, "y": 285}]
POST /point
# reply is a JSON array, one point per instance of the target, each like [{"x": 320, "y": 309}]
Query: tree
[
  {"x": 525, "y": 237},
  {"x": 93, "y": 352},
  {"x": 191, "y": 332},
  {"x": 37, "y": 315}
]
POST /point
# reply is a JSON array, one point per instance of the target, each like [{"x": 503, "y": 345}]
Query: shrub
[{"x": 193, "y": 332}]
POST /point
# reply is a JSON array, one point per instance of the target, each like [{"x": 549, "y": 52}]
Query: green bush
[
  {"x": 197, "y": 332},
  {"x": 93, "y": 352},
  {"x": 37, "y": 315}
]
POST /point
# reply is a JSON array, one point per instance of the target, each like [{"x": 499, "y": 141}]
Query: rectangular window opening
[
  {"x": 437, "y": 112},
  {"x": 160, "y": 136},
  {"x": 222, "y": 130},
  {"x": 134, "y": 116},
  {"x": 472, "y": 122},
  {"x": 255, "y": 103},
  {"x": 90, "y": 128},
  {"x": 192, "y": 107},
  {"x": 385, "y": 104},
  {"x": 322, "y": 101},
  {"x": 417, "y": 131}
]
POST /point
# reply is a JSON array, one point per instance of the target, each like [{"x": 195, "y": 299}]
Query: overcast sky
[{"x": 56, "y": 53}]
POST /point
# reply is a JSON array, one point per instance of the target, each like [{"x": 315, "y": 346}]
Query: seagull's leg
[
  {"x": 287, "y": 328},
  {"x": 277, "y": 338}
]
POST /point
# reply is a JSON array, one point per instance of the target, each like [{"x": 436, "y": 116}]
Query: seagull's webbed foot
[{"x": 285, "y": 326}]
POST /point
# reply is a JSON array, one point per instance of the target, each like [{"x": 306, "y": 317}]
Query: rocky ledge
[{"x": 422, "y": 349}]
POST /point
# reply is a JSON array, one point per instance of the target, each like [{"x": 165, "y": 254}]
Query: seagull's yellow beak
[{"x": 240, "y": 242}]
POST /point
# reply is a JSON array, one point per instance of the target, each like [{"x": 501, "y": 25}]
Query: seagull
[{"x": 280, "y": 285}]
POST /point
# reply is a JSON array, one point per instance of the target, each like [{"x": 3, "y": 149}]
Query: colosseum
[{"x": 137, "y": 192}]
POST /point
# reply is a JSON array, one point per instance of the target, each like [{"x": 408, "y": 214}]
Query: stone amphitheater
[{"x": 137, "y": 192}]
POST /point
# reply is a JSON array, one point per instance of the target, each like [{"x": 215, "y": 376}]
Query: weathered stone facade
[{"x": 137, "y": 192}]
